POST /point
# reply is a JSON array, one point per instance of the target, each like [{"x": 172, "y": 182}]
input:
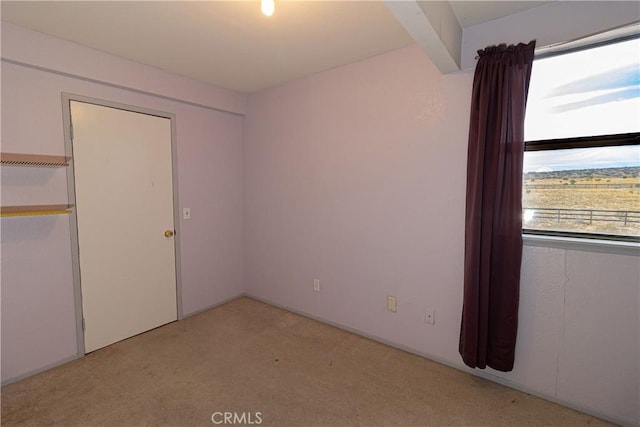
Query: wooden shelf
[
  {"x": 34, "y": 160},
  {"x": 6, "y": 211}
]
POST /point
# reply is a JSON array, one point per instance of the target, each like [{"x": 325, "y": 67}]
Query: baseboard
[
  {"x": 376, "y": 338},
  {"x": 217, "y": 304},
  {"x": 78, "y": 356},
  {"x": 553, "y": 399},
  {"x": 40, "y": 370},
  {"x": 460, "y": 367}
]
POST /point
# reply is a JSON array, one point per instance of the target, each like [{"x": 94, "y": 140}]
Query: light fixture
[{"x": 268, "y": 7}]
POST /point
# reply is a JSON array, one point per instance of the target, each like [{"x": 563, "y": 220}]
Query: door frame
[{"x": 71, "y": 191}]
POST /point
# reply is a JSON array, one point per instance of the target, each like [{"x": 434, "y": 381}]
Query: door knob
[{"x": 168, "y": 233}]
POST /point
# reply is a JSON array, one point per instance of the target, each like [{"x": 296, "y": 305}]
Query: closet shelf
[
  {"x": 36, "y": 160},
  {"x": 6, "y": 211}
]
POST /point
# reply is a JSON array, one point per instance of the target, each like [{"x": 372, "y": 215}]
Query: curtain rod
[{"x": 617, "y": 34}]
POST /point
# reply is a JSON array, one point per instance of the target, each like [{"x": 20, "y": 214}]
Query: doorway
[{"x": 124, "y": 231}]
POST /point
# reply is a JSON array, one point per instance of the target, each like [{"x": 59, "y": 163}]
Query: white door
[{"x": 124, "y": 202}]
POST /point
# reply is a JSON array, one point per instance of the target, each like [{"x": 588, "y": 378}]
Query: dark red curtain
[{"x": 493, "y": 237}]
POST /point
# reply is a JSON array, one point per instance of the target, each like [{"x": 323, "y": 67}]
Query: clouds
[
  {"x": 585, "y": 93},
  {"x": 618, "y": 78},
  {"x": 582, "y": 158}
]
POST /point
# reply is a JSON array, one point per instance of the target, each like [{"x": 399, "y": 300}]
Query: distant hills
[{"x": 627, "y": 172}]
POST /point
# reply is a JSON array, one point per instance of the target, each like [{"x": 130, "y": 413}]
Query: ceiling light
[{"x": 268, "y": 7}]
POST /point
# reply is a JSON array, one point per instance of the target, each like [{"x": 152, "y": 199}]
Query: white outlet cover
[
  {"x": 430, "y": 316},
  {"x": 392, "y": 304}
]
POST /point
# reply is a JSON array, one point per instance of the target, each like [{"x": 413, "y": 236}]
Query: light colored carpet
[{"x": 248, "y": 357}]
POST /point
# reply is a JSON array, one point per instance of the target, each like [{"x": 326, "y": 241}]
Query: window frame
[{"x": 612, "y": 140}]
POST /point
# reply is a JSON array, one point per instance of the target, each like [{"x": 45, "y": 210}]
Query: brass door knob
[{"x": 168, "y": 233}]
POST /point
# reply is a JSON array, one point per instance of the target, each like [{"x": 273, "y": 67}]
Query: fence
[
  {"x": 582, "y": 215},
  {"x": 569, "y": 186}
]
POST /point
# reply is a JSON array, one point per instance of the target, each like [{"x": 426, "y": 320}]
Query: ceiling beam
[{"x": 434, "y": 26}]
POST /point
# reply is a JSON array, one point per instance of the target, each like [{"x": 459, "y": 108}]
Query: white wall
[
  {"x": 38, "y": 317},
  {"x": 356, "y": 177}
]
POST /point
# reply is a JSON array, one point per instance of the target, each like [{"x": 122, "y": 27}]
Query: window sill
[{"x": 587, "y": 245}]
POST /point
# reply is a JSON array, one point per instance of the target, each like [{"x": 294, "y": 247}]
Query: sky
[
  {"x": 585, "y": 93},
  {"x": 582, "y": 158}
]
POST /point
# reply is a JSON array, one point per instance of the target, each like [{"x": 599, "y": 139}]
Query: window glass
[
  {"x": 585, "y": 190},
  {"x": 585, "y": 93},
  {"x": 591, "y": 95}
]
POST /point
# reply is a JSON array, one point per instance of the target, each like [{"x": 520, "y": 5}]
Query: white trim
[
  {"x": 585, "y": 245},
  {"x": 217, "y": 304}
]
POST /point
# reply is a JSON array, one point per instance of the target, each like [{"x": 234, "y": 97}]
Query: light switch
[{"x": 186, "y": 213}]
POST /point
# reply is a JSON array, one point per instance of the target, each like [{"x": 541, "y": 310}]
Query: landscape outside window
[{"x": 589, "y": 93}]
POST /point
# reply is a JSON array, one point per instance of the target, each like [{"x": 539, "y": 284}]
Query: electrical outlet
[
  {"x": 316, "y": 285},
  {"x": 392, "y": 304},
  {"x": 430, "y": 316}
]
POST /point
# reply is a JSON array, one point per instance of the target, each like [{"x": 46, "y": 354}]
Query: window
[{"x": 582, "y": 151}]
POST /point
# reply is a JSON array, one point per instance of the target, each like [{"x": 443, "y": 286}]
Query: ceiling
[{"x": 230, "y": 44}]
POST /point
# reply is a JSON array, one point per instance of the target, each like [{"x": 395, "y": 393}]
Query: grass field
[{"x": 563, "y": 192}]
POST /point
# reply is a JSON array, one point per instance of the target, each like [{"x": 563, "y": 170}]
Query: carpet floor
[{"x": 266, "y": 366}]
